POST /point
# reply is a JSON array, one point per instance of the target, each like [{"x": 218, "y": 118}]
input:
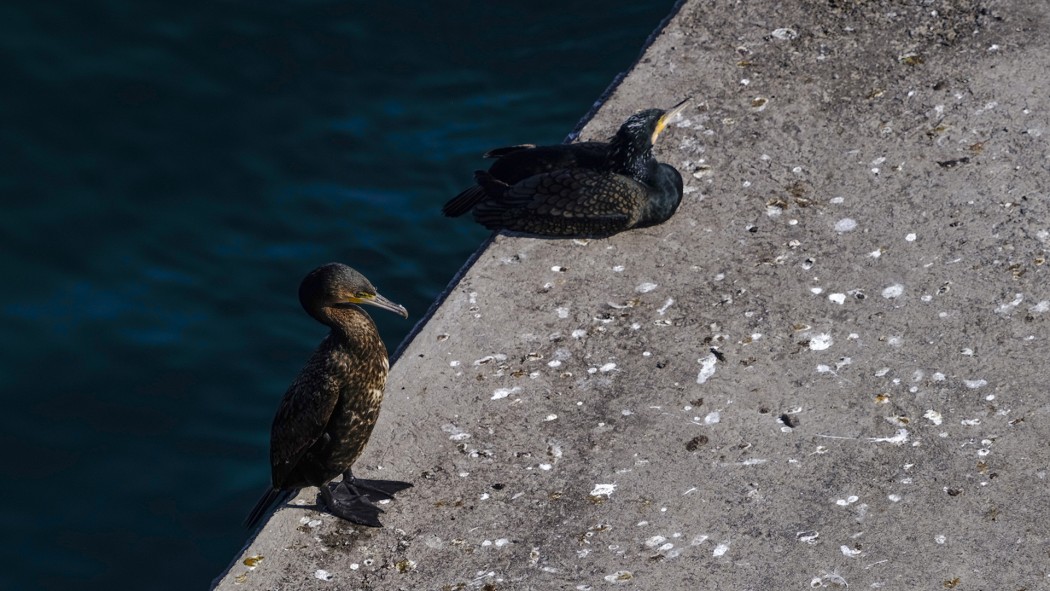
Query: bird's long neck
[
  {"x": 355, "y": 327},
  {"x": 632, "y": 157}
]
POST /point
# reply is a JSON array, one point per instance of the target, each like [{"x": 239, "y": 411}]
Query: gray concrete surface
[{"x": 826, "y": 370}]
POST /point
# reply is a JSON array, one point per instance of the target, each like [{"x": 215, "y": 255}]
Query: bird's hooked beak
[
  {"x": 666, "y": 118},
  {"x": 368, "y": 299}
]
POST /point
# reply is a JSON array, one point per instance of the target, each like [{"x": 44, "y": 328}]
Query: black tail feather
[
  {"x": 464, "y": 202},
  {"x": 270, "y": 498},
  {"x": 501, "y": 152}
]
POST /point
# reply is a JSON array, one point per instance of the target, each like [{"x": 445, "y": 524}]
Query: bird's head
[
  {"x": 336, "y": 285},
  {"x": 639, "y": 132}
]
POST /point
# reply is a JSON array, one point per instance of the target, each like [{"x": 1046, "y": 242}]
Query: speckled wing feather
[
  {"x": 301, "y": 419},
  {"x": 516, "y": 163},
  {"x": 568, "y": 202}
]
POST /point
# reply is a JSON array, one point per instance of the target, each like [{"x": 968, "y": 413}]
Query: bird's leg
[
  {"x": 380, "y": 490},
  {"x": 355, "y": 509}
]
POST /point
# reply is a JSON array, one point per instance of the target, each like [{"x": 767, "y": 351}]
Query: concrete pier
[{"x": 827, "y": 370}]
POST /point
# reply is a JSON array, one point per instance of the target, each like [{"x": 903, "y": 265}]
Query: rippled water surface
[{"x": 170, "y": 171}]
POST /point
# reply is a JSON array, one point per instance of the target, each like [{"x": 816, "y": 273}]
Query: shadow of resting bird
[
  {"x": 586, "y": 189},
  {"x": 325, "y": 418}
]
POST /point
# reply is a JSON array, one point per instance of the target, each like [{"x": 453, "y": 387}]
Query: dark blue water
[{"x": 169, "y": 172}]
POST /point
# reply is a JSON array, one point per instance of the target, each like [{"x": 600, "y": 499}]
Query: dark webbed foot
[
  {"x": 353, "y": 499},
  {"x": 374, "y": 490},
  {"x": 354, "y": 508}
]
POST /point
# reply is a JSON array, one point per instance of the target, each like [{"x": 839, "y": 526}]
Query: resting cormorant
[
  {"x": 327, "y": 415},
  {"x": 582, "y": 189}
]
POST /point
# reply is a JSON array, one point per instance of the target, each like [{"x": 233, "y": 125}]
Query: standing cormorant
[
  {"x": 582, "y": 189},
  {"x": 327, "y": 415}
]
